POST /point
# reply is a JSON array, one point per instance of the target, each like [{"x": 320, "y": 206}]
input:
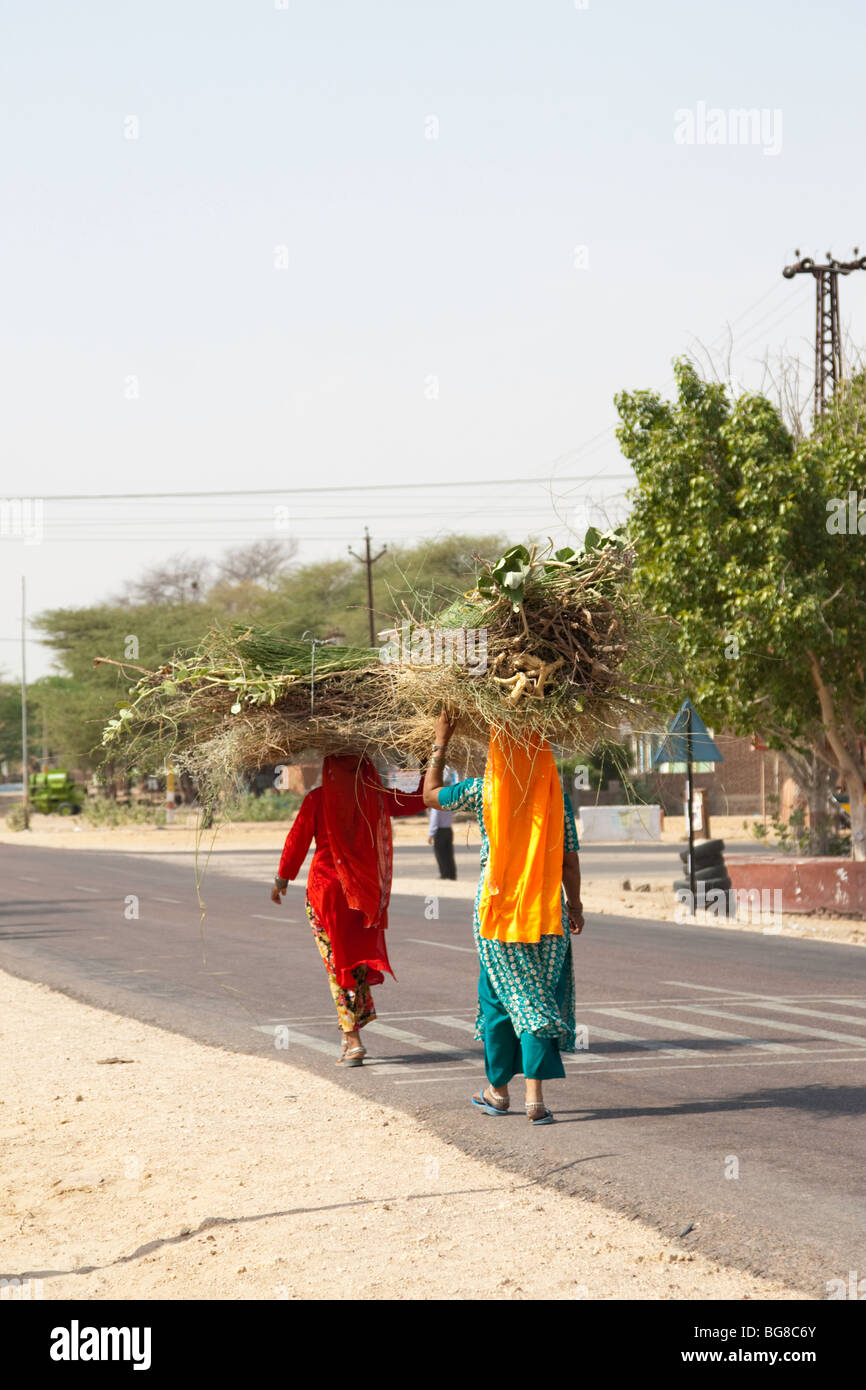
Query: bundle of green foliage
[{"x": 558, "y": 651}]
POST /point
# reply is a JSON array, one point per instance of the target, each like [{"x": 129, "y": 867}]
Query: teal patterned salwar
[{"x": 525, "y": 1012}]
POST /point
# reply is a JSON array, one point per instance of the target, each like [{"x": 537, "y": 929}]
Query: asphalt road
[
  {"x": 722, "y": 1087},
  {"x": 655, "y": 860}
]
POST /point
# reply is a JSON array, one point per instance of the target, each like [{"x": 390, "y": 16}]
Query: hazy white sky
[{"x": 343, "y": 249}]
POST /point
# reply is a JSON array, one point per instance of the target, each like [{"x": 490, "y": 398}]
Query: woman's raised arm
[{"x": 436, "y": 766}]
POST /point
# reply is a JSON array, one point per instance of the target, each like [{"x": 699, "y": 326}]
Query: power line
[
  {"x": 751, "y": 338},
  {"x": 760, "y": 300},
  {"x": 293, "y": 491},
  {"x": 64, "y": 526}
]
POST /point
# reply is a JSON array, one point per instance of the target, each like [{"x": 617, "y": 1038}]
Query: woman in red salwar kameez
[{"x": 349, "y": 883}]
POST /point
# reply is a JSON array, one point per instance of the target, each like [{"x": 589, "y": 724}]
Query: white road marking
[
  {"x": 419, "y": 941},
  {"x": 271, "y": 917},
  {"x": 421, "y": 1016},
  {"x": 717, "y": 989},
  {"x": 461, "y": 1068},
  {"x": 402, "y": 1035},
  {"x": 785, "y": 1027},
  {"x": 587, "y": 1006},
  {"x": 790, "y": 1003},
  {"x": 426, "y": 1080},
  {"x": 462, "y": 1062},
  {"x": 28, "y": 879},
  {"x": 167, "y": 900},
  {"x": 83, "y": 888},
  {"x": 652, "y": 1044},
  {"x": 681, "y": 1066},
  {"x": 297, "y": 1039},
  {"x": 798, "y": 1009},
  {"x": 385, "y": 1066},
  {"x": 697, "y": 1031}
]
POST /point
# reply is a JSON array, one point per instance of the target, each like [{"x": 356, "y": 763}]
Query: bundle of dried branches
[{"x": 549, "y": 644}]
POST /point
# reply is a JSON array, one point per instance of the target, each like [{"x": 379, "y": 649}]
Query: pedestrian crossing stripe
[{"x": 607, "y": 1046}]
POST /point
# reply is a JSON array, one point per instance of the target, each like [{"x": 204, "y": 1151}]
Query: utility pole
[
  {"x": 369, "y": 561},
  {"x": 828, "y": 341},
  {"x": 25, "y": 772}
]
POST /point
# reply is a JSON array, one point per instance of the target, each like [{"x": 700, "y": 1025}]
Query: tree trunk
[
  {"x": 839, "y": 728},
  {"x": 818, "y": 796},
  {"x": 855, "y": 788},
  {"x": 814, "y": 776}
]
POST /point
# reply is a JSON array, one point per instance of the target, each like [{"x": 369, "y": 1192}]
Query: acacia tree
[{"x": 733, "y": 527}]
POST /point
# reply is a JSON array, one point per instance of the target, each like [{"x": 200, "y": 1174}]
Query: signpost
[
  {"x": 688, "y": 742},
  {"x": 25, "y": 759}
]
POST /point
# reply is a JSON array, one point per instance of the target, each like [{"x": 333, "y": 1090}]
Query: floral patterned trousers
[{"x": 354, "y": 1007}]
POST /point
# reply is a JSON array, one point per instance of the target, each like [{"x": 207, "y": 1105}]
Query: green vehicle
[{"x": 55, "y": 792}]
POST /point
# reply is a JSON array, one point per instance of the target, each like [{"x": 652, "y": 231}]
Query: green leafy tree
[
  {"x": 77, "y": 702},
  {"x": 10, "y": 724},
  {"x": 331, "y": 595},
  {"x": 732, "y": 526}
]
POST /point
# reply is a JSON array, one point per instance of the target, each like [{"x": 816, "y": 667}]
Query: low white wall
[{"x": 619, "y": 823}]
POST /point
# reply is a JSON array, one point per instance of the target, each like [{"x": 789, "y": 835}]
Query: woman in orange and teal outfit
[{"x": 527, "y": 907}]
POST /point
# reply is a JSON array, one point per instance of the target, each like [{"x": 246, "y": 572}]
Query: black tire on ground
[
  {"x": 705, "y": 851},
  {"x": 703, "y": 886},
  {"x": 705, "y": 872},
  {"x": 66, "y": 808}
]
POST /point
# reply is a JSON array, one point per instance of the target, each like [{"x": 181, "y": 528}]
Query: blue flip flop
[{"x": 482, "y": 1104}]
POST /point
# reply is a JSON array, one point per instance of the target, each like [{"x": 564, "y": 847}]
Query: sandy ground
[
  {"x": 657, "y": 905},
  {"x": 139, "y": 1164},
  {"x": 654, "y": 900}
]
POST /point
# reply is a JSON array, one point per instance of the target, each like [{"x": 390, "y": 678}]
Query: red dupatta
[{"x": 359, "y": 829}]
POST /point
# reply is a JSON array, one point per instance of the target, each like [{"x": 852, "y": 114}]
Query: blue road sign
[{"x": 674, "y": 748}]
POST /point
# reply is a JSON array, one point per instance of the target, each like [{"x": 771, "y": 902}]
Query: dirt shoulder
[
  {"x": 67, "y": 832},
  {"x": 656, "y": 903},
  {"x": 142, "y": 1165}
]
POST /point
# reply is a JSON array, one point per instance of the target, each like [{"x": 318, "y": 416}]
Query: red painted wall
[{"x": 806, "y": 884}]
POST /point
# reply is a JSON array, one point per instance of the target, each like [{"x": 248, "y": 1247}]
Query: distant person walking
[
  {"x": 523, "y": 921},
  {"x": 349, "y": 883},
  {"x": 440, "y": 833}
]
